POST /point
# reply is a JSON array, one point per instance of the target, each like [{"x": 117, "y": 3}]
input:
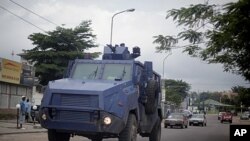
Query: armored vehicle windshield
[{"x": 104, "y": 71}]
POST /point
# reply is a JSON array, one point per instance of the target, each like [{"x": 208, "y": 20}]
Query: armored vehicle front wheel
[
  {"x": 129, "y": 133},
  {"x": 53, "y": 135},
  {"x": 155, "y": 135}
]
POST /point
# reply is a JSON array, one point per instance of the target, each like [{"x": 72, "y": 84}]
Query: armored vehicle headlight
[
  {"x": 107, "y": 120},
  {"x": 44, "y": 117}
]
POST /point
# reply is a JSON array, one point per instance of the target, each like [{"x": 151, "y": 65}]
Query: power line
[
  {"x": 60, "y": 38},
  {"x": 33, "y": 12},
  {"x": 22, "y": 18}
]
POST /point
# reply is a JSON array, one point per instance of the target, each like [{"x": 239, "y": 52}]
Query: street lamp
[
  {"x": 164, "y": 64},
  {"x": 128, "y": 10}
]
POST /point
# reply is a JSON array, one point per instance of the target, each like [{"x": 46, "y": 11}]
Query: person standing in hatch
[{"x": 22, "y": 112}]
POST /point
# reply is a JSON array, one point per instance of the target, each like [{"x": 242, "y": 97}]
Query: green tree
[
  {"x": 215, "y": 96},
  {"x": 243, "y": 95},
  {"x": 193, "y": 95},
  {"x": 225, "y": 99},
  {"x": 54, "y": 49},
  {"x": 213, "y": 34},
  {"x": 176, "y": 90}
]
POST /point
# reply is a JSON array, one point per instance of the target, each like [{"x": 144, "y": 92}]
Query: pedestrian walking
[
  {"x": 28, "y": 110},
  {"x": 22, "y": 112}
]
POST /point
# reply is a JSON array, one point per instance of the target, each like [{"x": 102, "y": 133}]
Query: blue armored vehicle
[{"x": 116, "y": 97}]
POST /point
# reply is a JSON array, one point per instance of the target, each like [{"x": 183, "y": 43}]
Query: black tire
[
  {"x": 165, "y": 126},
  {"x": 155, "y": 135},
  {"x": 186, "y": 126},
  {"x": 151, "y": 104},
  {"x": 182, "y": 126},
  {"x": 53, "y": 135},
  {"x": 129, "y": 133},
  {"x": 190, "y": 124},
  {"x": 96, "y": 138}
]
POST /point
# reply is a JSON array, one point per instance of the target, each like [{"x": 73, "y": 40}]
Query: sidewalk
[{"x": 10, "y": 127}]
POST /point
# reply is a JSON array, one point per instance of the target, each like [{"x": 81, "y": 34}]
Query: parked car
[
  {"x": 176, "y": 119},
  {"x": 35, "y": 113},
  {"x": 220, "y": 114},
  {"x": 226, "y": 117},
  {"x": 248, "y": 113},
  {"x": 198, "y": 119},
  {"x": 245, "y": 116}
]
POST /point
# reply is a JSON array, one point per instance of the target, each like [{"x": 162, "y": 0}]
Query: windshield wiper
[
  {"x": 122, "y": 75},
  {"x": 93, "y": 74}
]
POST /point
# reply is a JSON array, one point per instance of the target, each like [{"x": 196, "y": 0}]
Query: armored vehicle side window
[
  {"x": 87, "y": 71},
  {"x": 117, "y": 72}
]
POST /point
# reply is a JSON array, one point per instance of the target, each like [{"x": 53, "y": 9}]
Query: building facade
[{"x": 16, "y": 80}]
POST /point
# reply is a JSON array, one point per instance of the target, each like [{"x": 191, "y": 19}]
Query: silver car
[
  {"x": 176, "y": 119},
  {"x": 245, "y": 116},
  {"x": 198, "y": 119}
]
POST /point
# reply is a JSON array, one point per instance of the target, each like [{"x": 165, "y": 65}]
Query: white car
[
  {"x": 245, "y": 116},
  {"x": 198, "y": 119}
]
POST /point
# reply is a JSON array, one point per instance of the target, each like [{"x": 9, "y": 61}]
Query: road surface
[{"x": 214, "y": 131}]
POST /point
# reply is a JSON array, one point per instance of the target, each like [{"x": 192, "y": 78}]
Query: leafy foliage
[
  {"x": 218, "y": 96},
  {"x": 176, "y": 90},
  {"x": 54, "y": 49},
  {"x": 165, "y": 42},
  {"x": 215, "y": 35},
  {"x": 243, "y": 95}
]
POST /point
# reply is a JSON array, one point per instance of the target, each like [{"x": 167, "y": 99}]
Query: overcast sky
[{"x": 133, "y": 29}]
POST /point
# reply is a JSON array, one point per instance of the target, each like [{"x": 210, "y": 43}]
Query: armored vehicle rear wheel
[
  {"x": 156, "y": 132},
  {"x": 151, "y": 92},
  {"x": 129, "y": 133},
  {"x": 96, "y": 138},
  {"x": 57, "y": 136}
]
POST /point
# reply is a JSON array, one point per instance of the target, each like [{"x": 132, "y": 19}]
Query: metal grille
[
  {"x": 75, "y": 100},
  {"x": 73, "y": 116}
]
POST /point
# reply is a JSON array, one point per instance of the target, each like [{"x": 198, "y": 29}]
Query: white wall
[{"x": 37, "y": 97}]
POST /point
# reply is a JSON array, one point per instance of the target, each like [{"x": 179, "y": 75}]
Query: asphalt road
[{"x": 214, "y": 131}]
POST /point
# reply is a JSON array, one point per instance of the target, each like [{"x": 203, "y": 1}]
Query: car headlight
[
  {"x": 107, "y": 120},
  {"x": 44, "y": 117}
]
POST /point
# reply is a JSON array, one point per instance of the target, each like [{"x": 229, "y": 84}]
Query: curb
[
  {"x": 9, "y": 127},
  {"x": 28, "y": 132}
]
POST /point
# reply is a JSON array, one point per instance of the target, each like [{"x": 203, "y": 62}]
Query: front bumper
[
  {"x": 196, "y": 122},
  {"x": 226, "y": 119},
  {"x": 91, "y": 122},
  {"x": 173, "y": 123}
]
